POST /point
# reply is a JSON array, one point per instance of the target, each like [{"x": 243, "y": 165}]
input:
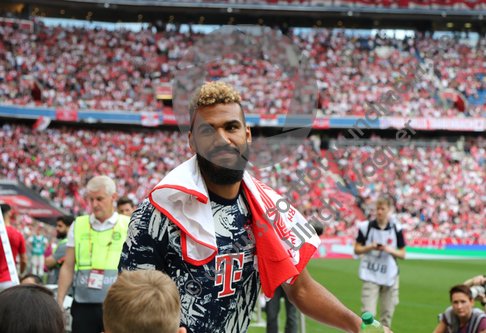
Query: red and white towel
[{"x": 182, "y": 196}]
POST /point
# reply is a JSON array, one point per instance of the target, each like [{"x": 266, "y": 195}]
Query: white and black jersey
[
  {"x": 377, "y": 266},
  {"x": 211, "y": 300}
]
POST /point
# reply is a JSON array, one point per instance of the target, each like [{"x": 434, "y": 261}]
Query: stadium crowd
[
  {"x": 438, "y": 190},
  {"x": 97, "y": 69},
  {"x": 437, "y": 196}
]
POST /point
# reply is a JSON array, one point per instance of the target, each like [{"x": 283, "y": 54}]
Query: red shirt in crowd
[{"x": 17, "y": 243}]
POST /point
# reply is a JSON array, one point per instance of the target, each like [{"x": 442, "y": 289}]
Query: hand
[
  {"x": 479, "y": 280},
  {"x": 387, "y": 330},
  {"x": 481, "y": 297},
  {"x": 60, "y": 303},
  {"x": 385, "y": 248},
  {"x": 374, "y": 246}
]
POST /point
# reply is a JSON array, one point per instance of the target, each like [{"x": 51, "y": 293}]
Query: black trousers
[
  {"x": 272, "y": 308},
  {"x": 87, "y": 317}
]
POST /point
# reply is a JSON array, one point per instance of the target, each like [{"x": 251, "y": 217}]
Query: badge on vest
[{"x": 95, "y": 280}]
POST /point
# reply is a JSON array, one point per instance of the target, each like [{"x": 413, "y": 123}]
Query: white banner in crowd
[
  {"x": 8, "y": 251},
  {"x": 451, "y": 124},
  {"x": 150, "y": 119}
]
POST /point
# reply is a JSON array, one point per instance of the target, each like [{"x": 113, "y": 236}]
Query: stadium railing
[{"x": 274, "y": 4}]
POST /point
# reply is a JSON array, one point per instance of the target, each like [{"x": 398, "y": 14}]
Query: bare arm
[
  {"x": 23, "y": 262},
  {"x": 441, "y": 328},
  {"x": 359, "y": 248},
  {"x": 475, "y": 281},
  {"x": 50, "y": 262},
  {"x": 400, "y": 253},
  {"x": 66, "y": 275},
  {"x": 318, "y": 303}
]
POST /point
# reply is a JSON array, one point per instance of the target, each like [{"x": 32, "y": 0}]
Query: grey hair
[{"x": 99, "y": 182}]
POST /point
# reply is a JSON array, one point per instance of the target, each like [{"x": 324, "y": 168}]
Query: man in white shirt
[{"x": 93, "y": 251}]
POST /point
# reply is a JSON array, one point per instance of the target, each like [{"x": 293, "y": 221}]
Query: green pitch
[{"x": 424, "y": 286}]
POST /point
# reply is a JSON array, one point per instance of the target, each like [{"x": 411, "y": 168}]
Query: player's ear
[{"x": 248, "y": 134}]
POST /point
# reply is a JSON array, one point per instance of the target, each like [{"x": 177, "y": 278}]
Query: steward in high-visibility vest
[
  {"x": 97, "y": 256},
  {"x": 59, "y": 243},
  {"x": 53, "y": 276}
]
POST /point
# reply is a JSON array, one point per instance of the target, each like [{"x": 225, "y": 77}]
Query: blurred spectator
[
  {"x": 17, "y": 245},
  {"x": 273, "y": 310},
  {"x": 32, "y": 279},
  {"x": 30, "y": 308},
  {"x": 79, "y": 68},
  {"x": 142, "y": 301},
  {"x": 125, "y": 206},
  {"x": 428, "y": 202},
  {"x": 438, "y": 190},
  {"x": 55, "y": 261},
  {"x": 37, "y": 244}
]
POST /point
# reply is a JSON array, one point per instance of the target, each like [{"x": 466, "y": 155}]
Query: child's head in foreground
[{"x": 142, "y": 301}]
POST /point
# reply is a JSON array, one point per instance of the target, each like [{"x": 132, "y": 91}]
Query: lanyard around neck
[{"x": 109, "y": 244}]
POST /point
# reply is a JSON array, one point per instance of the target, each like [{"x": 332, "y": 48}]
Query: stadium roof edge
[
  {"x": 28, "y": 202},
  {"x": 293, "y": 8}
]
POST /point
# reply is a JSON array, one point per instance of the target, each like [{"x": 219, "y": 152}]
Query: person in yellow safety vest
[{"x": 93, "y": 251}]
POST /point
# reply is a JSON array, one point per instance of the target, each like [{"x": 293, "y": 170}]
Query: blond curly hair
[{"x": 211, "y": 93}]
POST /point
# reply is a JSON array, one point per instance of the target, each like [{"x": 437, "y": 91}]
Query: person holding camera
[
  {"x": 479, "y": 280},
  {"x": 461, "y": 316},
  {"x": 477, "y": 285},
  {"x": 381, "y": 242}
]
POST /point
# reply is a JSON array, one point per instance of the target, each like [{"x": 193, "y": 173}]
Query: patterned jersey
[{"x": 214, "y": 298}]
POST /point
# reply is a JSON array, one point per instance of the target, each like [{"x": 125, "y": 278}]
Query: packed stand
[
  {"x": 118, "y": 70},
  {"x": 438, "y": 190},
  {"x": 80, "y": 68},
  {"x": 57, "y": 162}
]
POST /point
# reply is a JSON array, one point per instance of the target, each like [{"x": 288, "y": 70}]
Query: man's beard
[
  {"x": 221, "y": 175},
  {"x": 61, "y": 235}
]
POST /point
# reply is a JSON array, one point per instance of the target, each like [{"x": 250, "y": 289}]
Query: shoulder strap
[
  {"x": 395, "y": 228},
  {"x": 368, "y": 232},
  {"x": 451, "y": 319},
  {"x": 62, "y": 242},
  {"x": 476, "y": 318}
]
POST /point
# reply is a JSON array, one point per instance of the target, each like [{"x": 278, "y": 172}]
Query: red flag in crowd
[{"x": 42, "y": 123}]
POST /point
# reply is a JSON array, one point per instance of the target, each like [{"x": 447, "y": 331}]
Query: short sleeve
[
  {"x": 400, "y": 239},
  {"x": 70, "y": 237},
  {"x": 60, "y": 252},
  {"x": 22, "y": 248},
  {"x": 147, "y": 240},
  {"x": 360, "y": 238},
  {"x": 30, "y": 239}
]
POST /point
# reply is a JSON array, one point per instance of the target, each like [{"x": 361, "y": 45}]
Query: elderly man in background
[{"x": 93, "y": 250}]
